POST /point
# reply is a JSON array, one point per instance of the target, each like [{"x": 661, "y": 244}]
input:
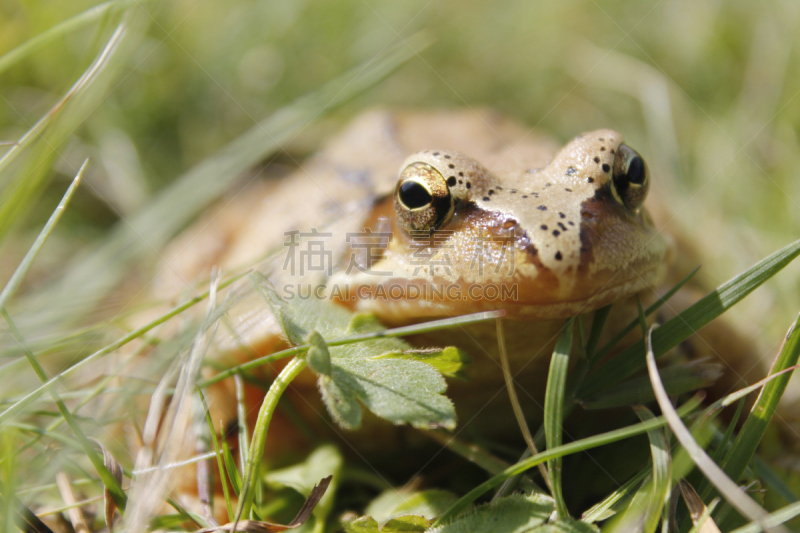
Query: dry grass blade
[
  {"x": 727, "y": 487},
  {"x": 76, "y": 517},
  {"x": 115, "y": 469},
  {"x": 168, "y": 433},
  {"x": 697, "y": 510},
  {"x": 512, "y": 395}
]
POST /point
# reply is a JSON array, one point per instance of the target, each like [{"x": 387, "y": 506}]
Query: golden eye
[
  {"x": 422, "y": 199},
  {"x": 630, "y": 180}
]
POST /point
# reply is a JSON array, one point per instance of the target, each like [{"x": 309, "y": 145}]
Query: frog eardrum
[
  {"x": 422, "y": 198},
  {"x": 631, "y": 180}
]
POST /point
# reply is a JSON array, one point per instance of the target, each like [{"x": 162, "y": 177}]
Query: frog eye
[
  {"x": 422, "y": 198},
  {"x": 630, "y": 180}
]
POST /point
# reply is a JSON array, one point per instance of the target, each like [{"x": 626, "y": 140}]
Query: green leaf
[
  {"x": 323, "y": 462},
  {"x": 404, "y": 524},
  {"x": 566, "y": 526},
  {"x": 394, "y": 503},
  {"x": 363, "y": 524},
  {"x": 513, "y": 514},
  {"x": 294, "y": 332},
  {"x": 400, "y": 390},
  {"x": 450, "y": 361}
]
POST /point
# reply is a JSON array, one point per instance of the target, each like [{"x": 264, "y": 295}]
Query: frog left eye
[
  {"x": 422, "y": 199},
  {"x": 630, "y": 180}
]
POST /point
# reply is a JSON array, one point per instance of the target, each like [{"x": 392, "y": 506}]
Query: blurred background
[{"x": 707, "y": 91}]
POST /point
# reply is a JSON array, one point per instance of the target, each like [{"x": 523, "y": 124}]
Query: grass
[{"x": 174, "y": 102}]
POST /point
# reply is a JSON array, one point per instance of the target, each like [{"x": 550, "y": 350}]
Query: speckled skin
[{"x": 576, "y": 247}]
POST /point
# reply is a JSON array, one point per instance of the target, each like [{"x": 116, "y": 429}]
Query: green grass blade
[
  {"x": 616, "y": 501},
  {"x": 87, "y": 281},
  {"x": 19, "y": 406},
  {"x": 268, "y": 407},
  {"x": 565, "y": 449},
  {"x": 554, "y": 410},
  {"x": 25, "y": 167},
  {"x": 748, "y": 439},
  {"x": 16, "y": 278},
  {"x": 772, "y": 520},
  {"x": 109, "y": 481},
  {"x": 692, "y": 319},
  {"x": 727, "y": 487},
  {"x": 659, "y": 485},
  {"x": 77, "y": 22},
  {"x": 217, "y": 453}
]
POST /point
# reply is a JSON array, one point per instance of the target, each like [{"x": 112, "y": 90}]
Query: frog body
[{"x": 502, "y": 205}]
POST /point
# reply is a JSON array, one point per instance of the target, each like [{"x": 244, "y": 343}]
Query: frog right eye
[
  {"x": 422, "y": 198},
  {"x": 630, "y": 180}
]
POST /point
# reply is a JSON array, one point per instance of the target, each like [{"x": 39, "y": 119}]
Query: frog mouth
[{"x": 399, "y": 300}]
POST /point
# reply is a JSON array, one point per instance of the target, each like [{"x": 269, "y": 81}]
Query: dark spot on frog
[
  {"x": 590, "y": 180},
  {"x": 562, "y": 226},
  {"x": 613, "y": 151},
  {"x": 485, "y": 198},
  {"x": 451, "y": 165},
  {"x": 491, "y": 192},
  {"x": 535, "y": 194},
  {"x": 542, "y": 208},
  {"x": 548, "y": 184},
  {"x": 544, "y": 227},
  {"x": 461, "y": 174},
  {"x": 460, "y": 182},
  {"x": 447, "y": 156},
  {"x": 556, "y": 233},
  {"x": 559, "y": 257},
  {"x": 571, "y": 223},
  {"x": 602, "y": 148},
  {"x": 524, "y": 195},
  {"x": 451, "y": 181},
  {"x": 435, "y": 153},
  {"x": 469, "y": 185},
  {"x": 562, "y": 215},
  {"x": 606, "y": 167},
  {"x": 600, "y": 139},
  {"x": 596, "y": 159},
  {"x": 571, "y": 171},
  {"x": 513, "y": 191},
  {"x": 499, "y": 188},
  {"x": 568, "y": 190}
]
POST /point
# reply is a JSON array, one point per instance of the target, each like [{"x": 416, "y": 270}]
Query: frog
[{"x": 452, "y": 202}]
